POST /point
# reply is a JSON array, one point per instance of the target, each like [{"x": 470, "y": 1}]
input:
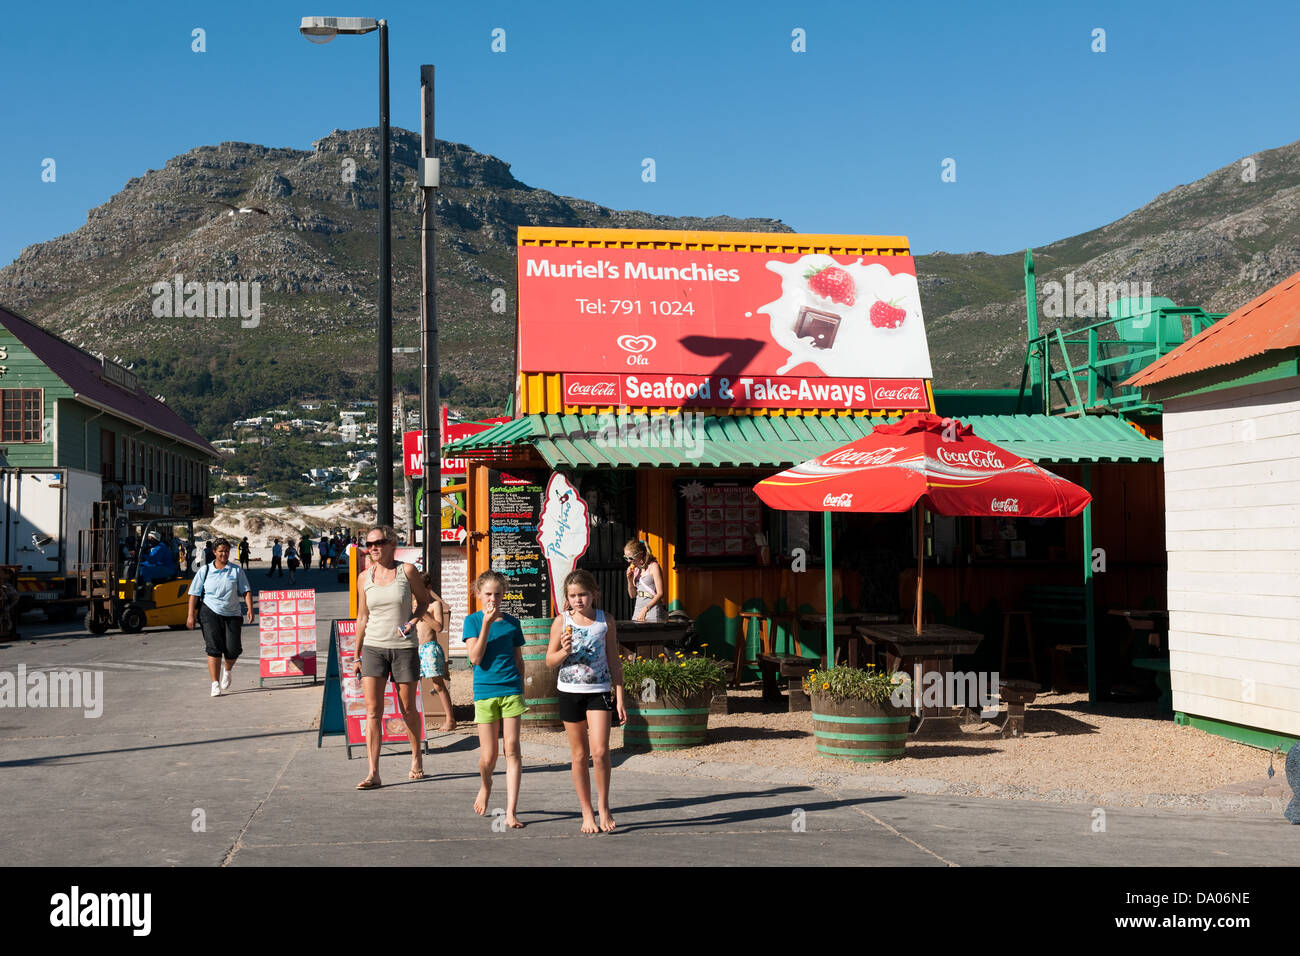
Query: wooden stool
[
  {"x": 790, "y": 621},
  {"x": 742, "y": 643},
  {"x": 1027, "y": 623},
  {"x": 1016, "y": 694}
]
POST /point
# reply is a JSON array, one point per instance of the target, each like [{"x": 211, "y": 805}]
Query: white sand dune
[{"x": 262, "y": 524}]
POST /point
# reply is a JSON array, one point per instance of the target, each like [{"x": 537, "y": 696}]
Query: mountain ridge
[{"x": 1215, "y": 242}]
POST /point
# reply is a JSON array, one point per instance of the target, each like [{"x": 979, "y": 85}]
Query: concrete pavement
[{"x": 169, "y": 776}]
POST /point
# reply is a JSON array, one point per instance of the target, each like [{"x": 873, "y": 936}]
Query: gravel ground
[{"x": 1072, "y": 752}]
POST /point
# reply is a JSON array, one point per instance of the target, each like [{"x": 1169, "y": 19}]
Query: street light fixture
[{"x": 322, "y": 30}]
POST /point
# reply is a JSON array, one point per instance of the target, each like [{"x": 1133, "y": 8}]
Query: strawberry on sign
[{"x": 832, "y": 282}]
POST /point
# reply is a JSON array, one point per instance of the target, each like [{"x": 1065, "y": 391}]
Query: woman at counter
[{"x": 645, "y": 582}]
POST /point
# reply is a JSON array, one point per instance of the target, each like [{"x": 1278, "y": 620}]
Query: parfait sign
[{"x": 563, "y": 533}]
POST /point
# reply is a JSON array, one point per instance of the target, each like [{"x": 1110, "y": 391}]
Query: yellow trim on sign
[{"x": 770, "y": 242}]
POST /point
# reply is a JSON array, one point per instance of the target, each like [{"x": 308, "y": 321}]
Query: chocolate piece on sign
[{"x": 818, "y": 326}]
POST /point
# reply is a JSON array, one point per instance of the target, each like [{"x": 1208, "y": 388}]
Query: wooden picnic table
[
  {"x": 930, "y": 651},
  {"x": 845, "y": 625},
  {"x": 648, "y": 638},
  {"x": 1151, "y": 622}
]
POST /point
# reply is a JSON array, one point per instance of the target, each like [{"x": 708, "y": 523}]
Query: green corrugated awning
[{"x": 730, "y": 441}]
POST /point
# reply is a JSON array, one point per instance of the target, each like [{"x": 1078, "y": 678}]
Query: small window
[{"x": 21, "y": 414}]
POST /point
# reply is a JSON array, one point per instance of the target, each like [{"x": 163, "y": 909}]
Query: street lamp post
[{"x": 322, "y": 30}]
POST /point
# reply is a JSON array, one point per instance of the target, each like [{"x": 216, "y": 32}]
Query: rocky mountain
[{"x": 110, "y": 285}]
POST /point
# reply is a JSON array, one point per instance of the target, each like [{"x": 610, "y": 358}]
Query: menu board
[
  {"x": 514, "y": 508},
  {"x": 287, "y": 632},
  {"x": 354, "y": 699},
  {"x": 718, "y": 520}
]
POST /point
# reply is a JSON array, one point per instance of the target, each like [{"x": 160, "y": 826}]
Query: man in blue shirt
[
  {"x": 160, "y": 564},
  {"x": 220, "y": 585}
]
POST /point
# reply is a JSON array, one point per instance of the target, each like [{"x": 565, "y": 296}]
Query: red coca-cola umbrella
[{"x": 927, "y": 461}]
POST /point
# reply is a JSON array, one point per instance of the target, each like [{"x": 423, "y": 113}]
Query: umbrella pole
[
  {"x": 920, "y": 561},
  {"x": 830, "y": 592}
]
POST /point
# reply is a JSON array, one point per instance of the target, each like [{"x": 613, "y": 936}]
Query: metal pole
[
  {"x": 1089, "y": 622},
  {"x": 408, "y": 487},
  {"x": 430, "y": 413},
  {"x": 830, "y": 592},
  {"x": 384, "y": 505}
]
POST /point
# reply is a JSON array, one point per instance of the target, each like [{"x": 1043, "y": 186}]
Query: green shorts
[{"x": 492, "y": 709}]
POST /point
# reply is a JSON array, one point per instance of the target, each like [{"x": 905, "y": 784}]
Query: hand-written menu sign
[
  {"x": 354, "y": 698},
  {"x": 514, "y": 506},
  {"x": 287, "y": 632}
]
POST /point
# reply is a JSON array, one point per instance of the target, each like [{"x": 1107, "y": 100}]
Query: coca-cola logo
[
  {"x": 838, "y": 501},
  {"x": 606, "y": 389},
  {"x": 971, "y": 458},
  {"x": 636, "y": 344},
  {"x": 1006, "y": 505},
  {"x": 905, "y": 393},
  {"x": 877, "y": 456}
]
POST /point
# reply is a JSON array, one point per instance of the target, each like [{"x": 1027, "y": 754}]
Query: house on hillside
[
  {"x": 1231, "y": 399},
  {"x": 63, "y": 407}
]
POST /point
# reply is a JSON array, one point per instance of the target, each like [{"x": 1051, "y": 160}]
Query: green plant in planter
[
  {"x": 853, "y": 683},
  {"x": 859, "y": 714},
  {"x": 681, "y": 675}
]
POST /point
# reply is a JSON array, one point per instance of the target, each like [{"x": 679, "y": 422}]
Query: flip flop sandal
[{"x": 369, "y": 784}]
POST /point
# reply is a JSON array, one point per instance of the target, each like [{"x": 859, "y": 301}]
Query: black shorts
[
  {"x": 573, "y": 707},
  {"x": 221, "y": 633}
]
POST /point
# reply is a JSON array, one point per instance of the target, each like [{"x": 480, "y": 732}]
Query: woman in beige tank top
[{"x": 387, "y": 645}]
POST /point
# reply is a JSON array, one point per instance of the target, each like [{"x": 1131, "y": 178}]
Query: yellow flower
[
  {"x": 871, "y": 665},
  {"x": 826, "y": 686},
  {"x": 683, "y": 665},
  {"x": 694, "y": 653},
  {"x": 704, "y": 645}
]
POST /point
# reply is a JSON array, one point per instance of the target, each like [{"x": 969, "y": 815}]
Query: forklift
[{"x": 113, "y": 583}]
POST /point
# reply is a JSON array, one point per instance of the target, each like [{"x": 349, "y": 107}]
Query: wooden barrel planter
[
  {"x": 669, "y": 723},
  {"x": 859, "y": 730},
  {"x": 540, "y": 695}
]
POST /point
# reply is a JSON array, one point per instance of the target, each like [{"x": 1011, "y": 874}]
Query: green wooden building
[{"x": 60, "y": 406}]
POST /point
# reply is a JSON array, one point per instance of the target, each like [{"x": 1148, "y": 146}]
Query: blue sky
[{"x": 1049, "y": 138}]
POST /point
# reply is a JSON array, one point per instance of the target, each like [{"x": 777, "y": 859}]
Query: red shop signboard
[{"x": 691, "y": 328}]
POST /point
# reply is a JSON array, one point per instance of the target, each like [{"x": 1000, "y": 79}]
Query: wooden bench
[{"x": 795, "y": 669}]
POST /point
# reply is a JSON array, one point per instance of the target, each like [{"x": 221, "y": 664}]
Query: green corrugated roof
[{"x": 591, "y": 441}]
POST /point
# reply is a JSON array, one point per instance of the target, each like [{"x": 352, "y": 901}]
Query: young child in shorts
[
  {"x": 433, "y": 662},
  {"x": 495, "y": 643},
  {"x": 584, "y": 646}
]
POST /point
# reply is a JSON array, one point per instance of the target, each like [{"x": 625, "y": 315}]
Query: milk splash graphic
[{"x": 859, "y": 349}]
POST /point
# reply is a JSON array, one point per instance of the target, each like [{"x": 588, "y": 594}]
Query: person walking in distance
[
  {"x": 244, "y": 550},
  {"x": 584, "y": 647},
  {"x": 291, "y": 558},
  {"x": 220, "y": 585},
  {"x": 387, "y": 645},
  {"x": 276, "y": 553},
  {"x": 495, "y": 641},
  {"x": 304, "y": 551}
]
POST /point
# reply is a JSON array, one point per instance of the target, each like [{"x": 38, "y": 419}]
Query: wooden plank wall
[{"x": 1232, "y": 478}]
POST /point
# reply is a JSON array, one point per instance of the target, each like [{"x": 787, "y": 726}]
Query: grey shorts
[{"x": 401, "y": 663}]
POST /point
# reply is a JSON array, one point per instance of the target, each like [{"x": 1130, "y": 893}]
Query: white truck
[{"x": 43, "y": 511}]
